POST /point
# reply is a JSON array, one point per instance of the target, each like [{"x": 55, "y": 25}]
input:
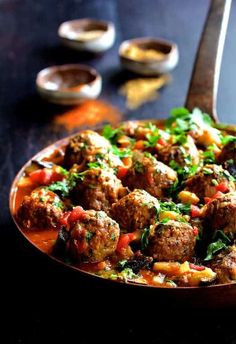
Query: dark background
[{"x": 40, "y": 300}]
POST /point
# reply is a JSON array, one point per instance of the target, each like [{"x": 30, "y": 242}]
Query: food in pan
[{"x": 146, "y": 202}]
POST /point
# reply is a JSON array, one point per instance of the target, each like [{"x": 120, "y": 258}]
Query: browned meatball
[
  {"x": 220, "y": 214},
  {"x": 204, "y": 183},
  {"x": 89, "y": 146},
  {"x": 93, "y": 238},
  {"x": 42, "y": 209},
  {"x": 185, "y": 154},
  {"x": 228, "y": 152},
  {"x": 137, "y": 210},
  {"x": 99, "y": 189},
  {"x": 149, "y": 174},
  {"x": 172, "y": 241},
  {"x": 224, "y": 264}
]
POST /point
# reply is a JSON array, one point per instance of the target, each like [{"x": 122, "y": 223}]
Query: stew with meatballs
[{"x": 146, "y": 202}]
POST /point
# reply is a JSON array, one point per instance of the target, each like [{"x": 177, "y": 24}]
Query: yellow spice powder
[
  {"x": 143, "y": 90},
  {"x": 136, "y": 53}
]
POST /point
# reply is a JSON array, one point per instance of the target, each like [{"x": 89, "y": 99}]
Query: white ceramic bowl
[
  {"x": 150, "y": 66},
  {"x": 69, "y": 84},
  {"x": 87, "y": 34}
]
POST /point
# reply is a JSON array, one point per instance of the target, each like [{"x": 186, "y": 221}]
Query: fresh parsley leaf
[
  {"x": 222, "y": 242},
  {"x": 209, "y": 157},
  {"x": 182, "y": 121},
  {"x": 165, "y": 220},
  {"x": 127, "y": 274},
  {"x": 60, "y": 187},
  {"x": 181, "y": 138},
  {"x": 228, "y": 138},
  {"x": 121, "y": 153},
  {"x": 96, "y": 164},
  {"x": 213, "y": 248},
  {"x": 180, "y": 111},
  {"x": 64, "y": 187},
  {"x": 111, "y": 134},
  {"x": 121, "y": 264},
  {"x": 144, "y": 238},
  {"x": 152, "y": 127},
  {"x": 219, "y": 234},
  {"x": 151, "y": 140},
  {"x": 183, "y": 171},
  {"x": 179, "y": 208}
]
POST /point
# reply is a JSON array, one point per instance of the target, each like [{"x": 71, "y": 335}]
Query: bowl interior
[{"x": 66, "y": 78}]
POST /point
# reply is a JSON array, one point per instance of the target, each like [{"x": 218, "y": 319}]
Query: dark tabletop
[{"x": 41, "y": 299}]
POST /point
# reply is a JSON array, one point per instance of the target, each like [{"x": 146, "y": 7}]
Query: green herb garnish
[{"x": 144, "y": 238}]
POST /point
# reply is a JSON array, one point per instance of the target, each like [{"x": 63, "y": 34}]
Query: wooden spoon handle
[{"x": 203, "y": 87}]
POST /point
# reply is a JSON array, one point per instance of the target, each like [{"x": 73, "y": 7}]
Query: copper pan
[{"x": 202, "y": 93}]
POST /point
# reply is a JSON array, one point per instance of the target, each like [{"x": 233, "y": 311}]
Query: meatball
[
  {"x": 224, "y": 264},
  {"x": 93, "y": 238},
  {"x": 187, "y": 153},
  {"x": 88, "y": 146},
  {"x": 220, "y": 214},
  {"x": 204, "y": 183},
  {"x": 135, "y": 211},
  {"x": 149, "y": 174},
  {"x": 99, "y": 189},
  {"x": 172, "y": 241},
  {"x": 42, "y": 209},
  {"x": 228, "y": 153}
]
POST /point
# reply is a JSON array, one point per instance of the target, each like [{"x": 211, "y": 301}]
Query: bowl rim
[
  {"x": 109, "y": 26},
  {"x": 61, "y": 143}
]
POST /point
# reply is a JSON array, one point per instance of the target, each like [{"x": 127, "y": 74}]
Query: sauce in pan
[{"x": 142, "y": 203}]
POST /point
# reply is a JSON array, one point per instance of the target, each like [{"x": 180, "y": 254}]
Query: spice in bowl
[
  {"x": 139, "y": 54},
  {"x": 85, "y": 35}
]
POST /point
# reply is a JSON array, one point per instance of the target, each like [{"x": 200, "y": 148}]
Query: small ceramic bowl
[
  {"x": 69, "y": 84},
  {"x": 89, "y": 35},
  {"x": 149, "y": 56}
]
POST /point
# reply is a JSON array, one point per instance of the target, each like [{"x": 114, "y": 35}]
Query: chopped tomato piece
[
  {"x": 78, "y": 213},
  {"x": 64, "y": 218},
  {"x": 195, "y": 231},
  {"x": 122, "y": 171},
  {"x": 217, "y": 195},
  {"x": 42, "y": 176},
  {"x": 195, "y": 211},
  {"x": 222, "y": 187},
  {"x": 124, "y": 241},
  {"x": 196, "y": 267},
  {"x": 139, "y": 145},
  {"x": 45, "y": 176},
  {"x": 161, "y": 141},
  {"x": 207, "y": 200}
]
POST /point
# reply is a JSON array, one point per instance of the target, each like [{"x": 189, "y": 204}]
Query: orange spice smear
[{"x": 90, "y": 112}]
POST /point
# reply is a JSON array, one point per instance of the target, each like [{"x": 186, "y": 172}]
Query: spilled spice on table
[
  {"x": 143, "y": 90},
  {"x": 90, "y": 112}
]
